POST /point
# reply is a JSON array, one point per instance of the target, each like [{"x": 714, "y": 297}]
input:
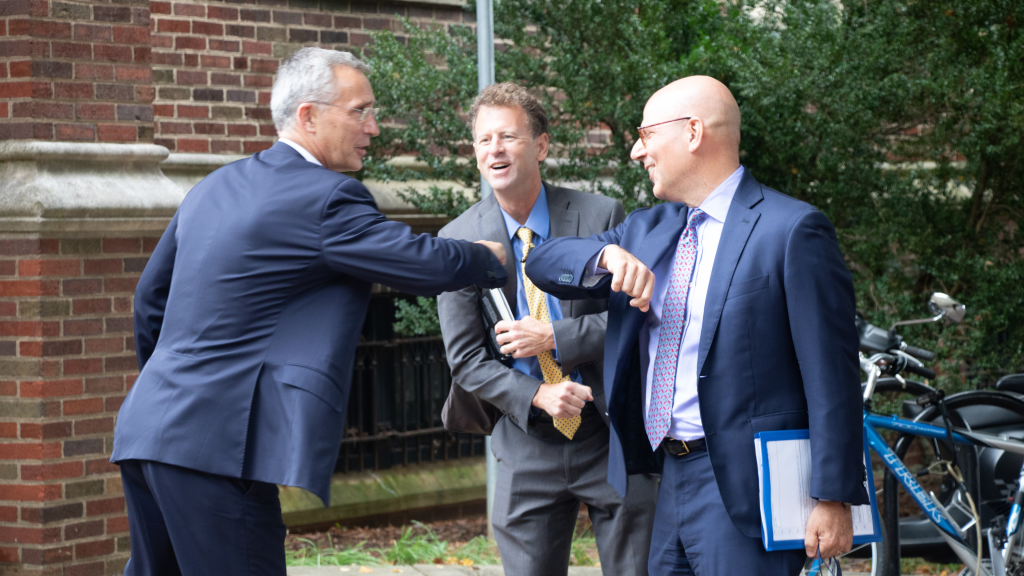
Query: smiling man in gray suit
[{"x": 552, "y": 442}]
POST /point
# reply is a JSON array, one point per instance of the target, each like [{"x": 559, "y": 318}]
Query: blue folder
[{"x": 870, "y": 531}]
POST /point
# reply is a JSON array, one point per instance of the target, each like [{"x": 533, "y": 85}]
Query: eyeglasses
[
  {"x": 364, "y": 113},
  {"x": 643, "y": 129}
]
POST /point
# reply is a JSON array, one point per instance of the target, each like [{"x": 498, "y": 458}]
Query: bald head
[
  {"x": 693, "y": 144},
  {"x": 705, "y": 98}
]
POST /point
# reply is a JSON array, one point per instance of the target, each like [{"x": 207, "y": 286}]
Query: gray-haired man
[
  {"x": 246, "y": 322},
  {"x": 552, "y": 443}
]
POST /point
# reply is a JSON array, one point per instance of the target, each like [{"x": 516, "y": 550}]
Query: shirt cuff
[{"x": 592, "y": 272}]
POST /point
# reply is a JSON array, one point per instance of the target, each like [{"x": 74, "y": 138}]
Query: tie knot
[
  {"x": 525, "y": 234},
  {"x": 696, "y": 217}
]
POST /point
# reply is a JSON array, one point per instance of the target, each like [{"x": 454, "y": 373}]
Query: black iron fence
[{"x": 394, "y": 417}]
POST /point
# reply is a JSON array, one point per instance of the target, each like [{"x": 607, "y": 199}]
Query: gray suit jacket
[{"x": 580, "y": 334}]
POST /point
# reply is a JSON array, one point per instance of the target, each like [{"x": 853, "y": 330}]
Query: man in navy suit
[
  {"x": 731, "y": 312},
  {"x": 246, "y": 321}
]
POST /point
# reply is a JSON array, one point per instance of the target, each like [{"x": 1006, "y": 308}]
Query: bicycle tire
[{"x": 889, "y": 549}]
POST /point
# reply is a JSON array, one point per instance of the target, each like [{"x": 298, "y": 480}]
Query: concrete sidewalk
[{"x": 435, "y": 570}]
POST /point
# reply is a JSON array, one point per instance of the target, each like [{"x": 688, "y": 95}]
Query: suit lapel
[
  {"x": 565, "y": 221},
  {"x": 661, "y": 238},
  {"x": 491, "y": 226},
  {"x": 739, "y": 223}
]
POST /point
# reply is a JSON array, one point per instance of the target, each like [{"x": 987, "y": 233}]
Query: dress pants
[
  {"x": 540, "y": 485},
  {"x": 186, "y": 522},
  {"x": 693, "y": 534}
]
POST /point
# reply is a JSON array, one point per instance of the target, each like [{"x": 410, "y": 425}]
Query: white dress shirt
[
  {"x": 305, "y": 153},
  {"x": 686, "y": 423}
]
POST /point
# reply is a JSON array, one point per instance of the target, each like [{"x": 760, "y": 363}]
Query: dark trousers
[
  {"x": 693, "y": 534},
  {"x": 185, "y": 522}
]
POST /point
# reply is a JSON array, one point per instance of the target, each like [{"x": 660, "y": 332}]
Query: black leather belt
[
  {"x": 543, "y": 426},
  {"x": 679, "y": 448}
]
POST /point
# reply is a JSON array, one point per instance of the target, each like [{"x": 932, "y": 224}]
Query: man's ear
[
  {"x": 308, "y": 117},
  {"x": 694, "y": 134},
  {"x": 542, "y": 147}
]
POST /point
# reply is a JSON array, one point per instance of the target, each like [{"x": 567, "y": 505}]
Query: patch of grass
[
  {"x": 314, "y": 555},
  {"x": 583, "y": 542},
  {"x": 410, "y": 548},
  {"x": 416, "y": 549}
]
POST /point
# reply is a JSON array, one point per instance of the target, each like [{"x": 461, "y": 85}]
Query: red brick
[
  {"x": 91, "y": 569},
  {"x": 26, "y": 328},
  {"x": 86, "y": 406},
  {"x": 31, "y": 493},
  {"x": 116, "y": 133},
  {"x": 85, "y": 71},
  {"x": 133, "y": 73},
  {"x": 226, "y": 147},
  {"x": 22, "y": 69},
  {"x": 107, "y": 53},
  {"x": 34, "y": 246},
  {"x": 193, "y": 145},
  {"x": 121, "y": 245},
  {"x": 164, "y": 128},
  {"x": 161, "y": 41},
  {"x": 99, "y": 345},
  {"x": 4, "y": 111},
  {"x": 121, "y": 363},
  {"x": 62, "y": 347},
  {"x": 254, "y": 147},
  {"x": 47, "y": 431},
  {"x": 190, "y": 43},
  {"x": 130, "y": 379},
  {"x": 51, "y": 388},
  {"x": 173, "y": 26},
  {"x": 193, "y": 111},
  {"x": 120, "y": 284},
  {"x": 167, "y": 59},
  {"x": 207, "y": 28},
  {"x": 93, "y": 32},
  {"x": 8, "y": 309},
  {"x": 215, "y": 61},
  {"x": 8, "y": 388},
  {"x": 91, "y": 549},
  {"x": 16, "y": 90},
  {"x": 90, "y": 306},
  {"x": 131, "y": 35},
  {"x": 49, "y": 267},
  {"x": 75, "y": 132},
  {"x": 123, "y": 304},
  {"x": 259, "y": 65},
  {"x": 81, "y": 530},
  {"x": 117, "y": 525},
  {"x": 94, "y": 426},
  {"x": 182, "y": 9},
  {"x": 44, "y": 472},
  {"x": 44, "y": 556},
  {"x": 29, "y": 287},
  {"x": 29, "y": 535},
  {"x": 75, "y": 50},
  {"x": 85, "y": 327},
  {"x": 102, "y": 466},
  {"x": 72, "y": 91},
  {"x": 50, "y": 29},
  {"x": 159, "y": 111},
  {"x": 190, "y": 77},
  {"x": 257, "y": 47},
  {"x": 8, "y": 429},
  {"x": 82, "y": 286},
  {"x": 82, "y": 366},
  {"x": 29, "y": 451},
  {"x": 160, "y": 7},
  {"x": 224, "y": 45},
  {"x": 241, "y": 130},
  {"x": 220, "y": 13},
  {"x": 8, "y": 514},
  {"x": 113, "y": 403},
  {"x": 254, "y": 81},
  {"x": 191, "y": 60}
]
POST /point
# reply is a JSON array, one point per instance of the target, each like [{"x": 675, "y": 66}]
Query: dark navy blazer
[
  {"x": 248, "y": 314},
  {"x": 778, "y": 348}
]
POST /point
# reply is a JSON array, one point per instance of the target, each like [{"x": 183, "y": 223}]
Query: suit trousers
[
  {"x": 693, "y": 534},
  {"x": 540, "y": 485},
  {"x": 186, "y": 522}
]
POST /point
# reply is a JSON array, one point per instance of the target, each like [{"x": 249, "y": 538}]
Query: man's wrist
[{"x": 846, "y": 505}]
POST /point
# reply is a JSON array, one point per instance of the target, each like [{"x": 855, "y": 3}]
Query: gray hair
[{"x": 307, "y": 76}]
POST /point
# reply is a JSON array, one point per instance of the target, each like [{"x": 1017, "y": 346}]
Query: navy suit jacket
[
  {"x": 778, "y": 347},
  {"x": 248, "y": 314}
]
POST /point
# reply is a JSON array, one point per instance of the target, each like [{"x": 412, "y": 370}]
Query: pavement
[{"x": 435, "y": 570}]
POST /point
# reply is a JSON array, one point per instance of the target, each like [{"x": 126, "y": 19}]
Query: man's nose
[
  {"x": 371, "y": 127},
  {"x": 639, "y": 150}
]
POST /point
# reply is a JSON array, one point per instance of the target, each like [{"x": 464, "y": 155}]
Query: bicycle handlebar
[
  {"x": 920, "y": 353},
  {"x": 920, "y": 371}
]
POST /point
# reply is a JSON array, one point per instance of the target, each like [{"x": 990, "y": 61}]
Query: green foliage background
[{"x": 901, "y": 120}]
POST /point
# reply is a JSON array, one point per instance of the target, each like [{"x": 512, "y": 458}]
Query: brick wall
[
  {"x": 214, "y": 62},
  {"x": 67, "y": 360},
  {"x": 75, "y": 71}
]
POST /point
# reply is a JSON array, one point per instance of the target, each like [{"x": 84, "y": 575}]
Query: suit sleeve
[
  {"x": 558, "y": 266},
  {"x": 151, "y": 293},
  {"x": 356, "y": 239},
  {"x": 581, "y": 340},
  {"x": 821, "y": 308},
  {"x": 473, "y": 368}
]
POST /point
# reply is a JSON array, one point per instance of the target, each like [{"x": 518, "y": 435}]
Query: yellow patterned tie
[{"x": 539, "y": 310}]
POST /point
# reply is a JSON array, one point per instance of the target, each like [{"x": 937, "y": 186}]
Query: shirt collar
[
  {"x": 716, "y": 205},
  {"x": 305, "y": 153},
  {"x": 539, "y": 221}
]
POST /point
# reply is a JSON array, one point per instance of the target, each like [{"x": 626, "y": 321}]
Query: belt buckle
[{"x": 685, "y": 447}]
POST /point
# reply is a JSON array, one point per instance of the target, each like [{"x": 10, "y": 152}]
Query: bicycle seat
[{"x": 1011, "y": 383}]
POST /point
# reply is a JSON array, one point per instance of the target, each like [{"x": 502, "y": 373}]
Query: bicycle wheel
[{"x": 913, "y": 535}]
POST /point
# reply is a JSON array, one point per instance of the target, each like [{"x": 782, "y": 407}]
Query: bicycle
[{"x": 957, "y": 520}]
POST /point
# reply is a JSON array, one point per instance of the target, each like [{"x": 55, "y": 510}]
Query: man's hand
[
  {"x": 830, "y": 528},
  {"x": 629, "y": 275},
  {"x": 562, "y": 400},
  {"x": 526, "y": 337},
  {"x": 496, "y": 248}
]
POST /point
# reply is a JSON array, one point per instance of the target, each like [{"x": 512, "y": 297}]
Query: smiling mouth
[{"x": 499, "y": 167}]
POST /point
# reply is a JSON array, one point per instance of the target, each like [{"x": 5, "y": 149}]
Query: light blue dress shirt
[{"x": 539, "y": 222}]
